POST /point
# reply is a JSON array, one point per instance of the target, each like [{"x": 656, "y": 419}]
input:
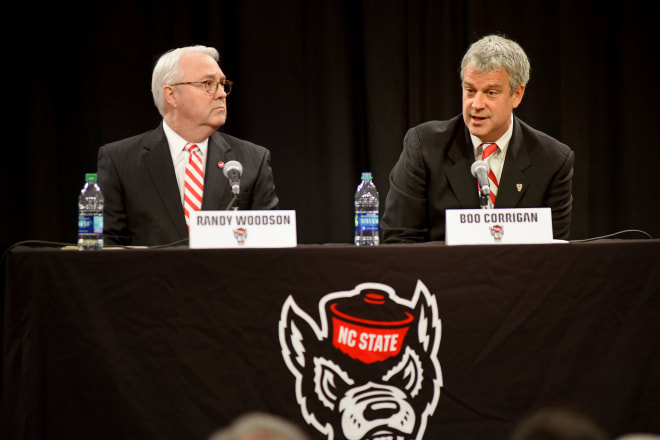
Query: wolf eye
[
  {"x": 328, "y": 377},
  {"x": 408, "y": 372}
]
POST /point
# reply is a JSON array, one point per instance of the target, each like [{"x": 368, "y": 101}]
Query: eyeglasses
[{"x": 210, "y": 85}]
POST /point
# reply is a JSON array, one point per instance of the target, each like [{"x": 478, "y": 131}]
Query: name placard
[
  {"x": 492, "y": 226},
  {"x": 242, "y": 229}
]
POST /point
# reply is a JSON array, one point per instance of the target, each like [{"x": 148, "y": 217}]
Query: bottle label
[
  {"x": 98, "y": 224},
  {"x": 90, "y": 224},
  {"x": 366, "y": 222}
]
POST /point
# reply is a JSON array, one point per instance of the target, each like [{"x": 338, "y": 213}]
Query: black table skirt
[{"x": 175, "y": 343}]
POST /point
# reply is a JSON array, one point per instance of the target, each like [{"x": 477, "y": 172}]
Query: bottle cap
[
  {"x": 90, "y": 177},
  {"x": 366, "y": 175}
]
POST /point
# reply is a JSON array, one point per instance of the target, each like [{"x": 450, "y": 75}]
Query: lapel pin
[
  {"x": 519, "y": 186},
  {"x": 221, "y": 165}
]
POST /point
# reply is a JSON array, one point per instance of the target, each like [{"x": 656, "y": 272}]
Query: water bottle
[
  {"x": 90, "y": 215},
  {"x": 366, "y": 212}
]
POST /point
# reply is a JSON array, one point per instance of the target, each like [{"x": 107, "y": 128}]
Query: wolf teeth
[{"x": 387, "y": 437}]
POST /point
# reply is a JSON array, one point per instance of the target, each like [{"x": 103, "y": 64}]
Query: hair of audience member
[
  {"x": 260, "y": 426},
  {"x": 493, "y": 53},
  {"x": 557, "y": 424},
  {"x": 639, "y": 436},
  {"x": 166, "y": 70}
]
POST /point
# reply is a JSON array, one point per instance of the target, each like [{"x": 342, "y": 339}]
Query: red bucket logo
[{"x": 369, "y": 340}]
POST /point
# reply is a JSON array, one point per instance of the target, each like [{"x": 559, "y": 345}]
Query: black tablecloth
[{"x": 175, "y": 343}]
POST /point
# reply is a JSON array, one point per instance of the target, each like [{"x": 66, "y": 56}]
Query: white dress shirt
[
  {"x": 496, "y": 160},
  {"x": 180, "y": 155}
]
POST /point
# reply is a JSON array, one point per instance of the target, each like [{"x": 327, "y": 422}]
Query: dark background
[{"x": 331, "y": 88}]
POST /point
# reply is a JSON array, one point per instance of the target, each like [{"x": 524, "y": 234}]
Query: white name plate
[
  {"x": 488, "y": 226},
  {"x": 242, "y": 229}
]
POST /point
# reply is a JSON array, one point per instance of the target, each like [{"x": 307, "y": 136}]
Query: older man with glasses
[{"x": 154, "y": 181}]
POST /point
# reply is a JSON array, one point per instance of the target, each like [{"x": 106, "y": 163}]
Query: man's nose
[
  {"x": 478, "y": 101},
  {"x": 220, "y": 93}
]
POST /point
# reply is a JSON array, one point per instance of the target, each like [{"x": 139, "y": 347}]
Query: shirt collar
[
  {"x": 177, "y": 143},
  {"x": 502, "y": 142}
]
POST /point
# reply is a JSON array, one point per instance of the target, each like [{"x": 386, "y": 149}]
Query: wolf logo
[
  {"x": 497, "y": 232},
  {"x": 240, "y": 235},
  {"x": 370, "y": 369}
]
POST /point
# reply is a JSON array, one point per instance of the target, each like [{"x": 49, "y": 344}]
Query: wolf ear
[
  {"x": 296, "y": 335},
  {"x": 428, "y": 324},
  {"x": 407, "y": 374},
  {"x": 328, "y": 379}
]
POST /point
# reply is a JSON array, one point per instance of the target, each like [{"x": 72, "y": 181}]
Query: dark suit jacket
[
  {"x": 142, "y": 200},
  {"x": 433, "y": 174}
]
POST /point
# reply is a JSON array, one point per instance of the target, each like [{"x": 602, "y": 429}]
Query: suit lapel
[
  {"x": 513, "y": 182},
  {"x": 158, "y": 161},
  {"x": 217, "y": 193},
  {"x": 458, "y": 172}
]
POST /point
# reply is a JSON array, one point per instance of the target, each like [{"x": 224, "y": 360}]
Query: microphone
[
  {"x": 480, "y": 170},
  {"x": 233, "y": 171}
]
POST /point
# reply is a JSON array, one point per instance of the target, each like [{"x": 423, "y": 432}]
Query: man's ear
[
  {"x": 170, "y": 95},
  {"x": 518, "y": 96}
]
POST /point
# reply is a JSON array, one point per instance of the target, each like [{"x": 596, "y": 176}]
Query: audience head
[
  {"x": 260, "y": 426},
  {"x": 557, "y": 424},
  {"x": 639, "y": 437}
]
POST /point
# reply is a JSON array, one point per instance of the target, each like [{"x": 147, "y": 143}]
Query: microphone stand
[
  {"x": 484, "y": 197},
  {"x": 483, "y": 200},
  {"x": 233, "y": 202}
]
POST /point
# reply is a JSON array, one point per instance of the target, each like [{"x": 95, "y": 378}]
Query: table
[{"x": 175, "y": 343}]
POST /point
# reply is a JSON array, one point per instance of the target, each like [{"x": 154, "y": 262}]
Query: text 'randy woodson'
[{"x": 243, "y": 220}]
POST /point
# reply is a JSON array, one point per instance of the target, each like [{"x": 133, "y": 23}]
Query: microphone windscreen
[
  {"x": 232, "y": 165},
  {"x": 476, "y": 165}
]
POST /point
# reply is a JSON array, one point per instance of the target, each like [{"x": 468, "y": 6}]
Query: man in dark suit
[
  {"x": 528, "y": 168},
  {"x": 145, "y": 178}
]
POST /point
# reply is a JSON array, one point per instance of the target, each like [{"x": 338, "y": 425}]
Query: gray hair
[
  {"x": 166, "y": 70},
  {"x": 639, "y": 437},
  {"x": 558, "y": 423},
  {"x": 260, "y": 426},
  {"x": 492, "y": 53}
]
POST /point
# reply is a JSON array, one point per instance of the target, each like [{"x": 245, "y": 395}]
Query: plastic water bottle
[
  {"x": 366, "y": 212},
  {"x": 90, "y": 215}
]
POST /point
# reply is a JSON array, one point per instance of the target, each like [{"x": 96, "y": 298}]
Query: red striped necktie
[
  {"x": 193, "y": 182},
  {"x": 489, "y": 149}
]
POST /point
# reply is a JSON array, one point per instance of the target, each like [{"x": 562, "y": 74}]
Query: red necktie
[
  {"x": 488, "y": 151},
  {"x": 193, "y": 182}
]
